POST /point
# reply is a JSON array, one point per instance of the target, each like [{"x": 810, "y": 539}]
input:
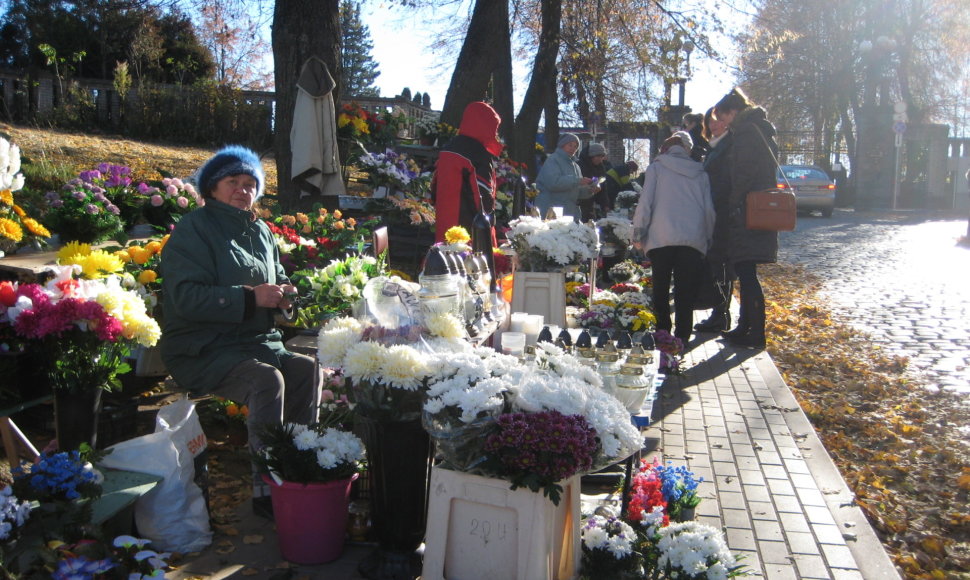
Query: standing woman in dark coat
[
  {"x": 752, "y": 166},
  {"x": 718, "y": 168}
]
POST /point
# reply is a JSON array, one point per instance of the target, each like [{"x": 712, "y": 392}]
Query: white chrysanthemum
[
  {"x": 305, "y": 440},
  {"x": 335, "y": 338},
  {"x": 403, "y": 367},
  {"x": 363, "y": 361},
  {"x": 694, "y": 548},
  {"x": 326, "y": 458},
  {"x": 445, "y": 325},
  {"x": 595, "y": 537}
]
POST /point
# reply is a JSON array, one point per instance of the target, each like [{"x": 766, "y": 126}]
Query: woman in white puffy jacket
[{"x": 674, "y": 224}]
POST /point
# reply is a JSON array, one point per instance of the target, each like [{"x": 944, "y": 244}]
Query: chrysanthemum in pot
[{"x": 309, "y": 469}]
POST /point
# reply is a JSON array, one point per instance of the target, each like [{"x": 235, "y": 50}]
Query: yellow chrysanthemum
[
  {"x": 11, "y": 229},
  {"x": 19, "y": 210},
  {"x": 6, "y": 196},
  {"x": 457, "y": 235},
  {"x": 342, "y": 120},
  {"x": 154, "y": 246},
  {"x": 123, "y": 255},
  {"x": 164, "y": 241},
  {"x": 147, "y": 277},
  {"x": 71, "y": 249},
  {"x": 35, "y": 227},
  {"x": 139, "y": 255},
  {"x": 99, "y": 264},
  {"x": 361, "y": 125}
]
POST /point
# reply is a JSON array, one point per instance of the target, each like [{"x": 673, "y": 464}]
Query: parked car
[{"x": 813, "y": 188}]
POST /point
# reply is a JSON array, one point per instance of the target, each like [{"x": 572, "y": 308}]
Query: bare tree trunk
[
  {"x": 542, "y": 87},
  {"x": 301, "y": 28},
  {"x": 487, "y": 33},
  {"x": 502, "y": 82}
]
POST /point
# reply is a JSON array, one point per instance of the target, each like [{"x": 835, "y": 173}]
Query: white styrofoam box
[
  {"x": 541, "y": 293},
  {"x": 479, "y": 528}
]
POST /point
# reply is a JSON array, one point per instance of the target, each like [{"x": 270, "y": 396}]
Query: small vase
[
  {"x": 311, "y": 519},
  {"x": 76, "y": 414}
]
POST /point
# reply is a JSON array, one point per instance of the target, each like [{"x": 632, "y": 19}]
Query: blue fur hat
[{"x": 230, "y": 160}]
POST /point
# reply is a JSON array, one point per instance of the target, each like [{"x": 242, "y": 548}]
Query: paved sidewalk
[
  {"x": 768, "y": 480},
  {"x": 730, "y": 417}
]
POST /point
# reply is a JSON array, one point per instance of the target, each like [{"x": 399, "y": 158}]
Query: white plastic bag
[{"x": 172, "y": 515}]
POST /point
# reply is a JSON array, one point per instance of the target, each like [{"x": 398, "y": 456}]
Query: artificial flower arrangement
[
  {"x": 427, "y": 126},
  {"x": 630, "y": 272},
  {"x": 415, "y": 211},
  {"x": 616, "y": 230},
  {"x": 166, "y": 201},
  {"x": 551, "y": 245},
  {"x": 116, "y": 182},
  {"x": 626, "y": 308},
  {"x": 609, "y": 547},
  {"x": 671, "y": 348},
  {"x": 490, "y": 413},
  {"x": 389, "y": 169},
  {"x": 17, "y": 229},
  {"x": 82, "y": 211},
  {"x": 333, "y": 289},
  {"x": 666, "y": 543},
  {"x": 45, "y": 525},
  {"x": 315, "y": 453},
  {"x": 311, "y": 240},
  {"x": 85, "y": 327}
]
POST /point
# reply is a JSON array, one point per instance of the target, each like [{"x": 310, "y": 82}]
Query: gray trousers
[{"x": 291, "y": 396}]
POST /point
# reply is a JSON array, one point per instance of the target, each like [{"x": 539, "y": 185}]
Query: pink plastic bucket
[{"x": 311, "y": 519}]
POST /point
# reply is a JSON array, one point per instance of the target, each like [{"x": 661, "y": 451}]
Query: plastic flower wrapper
[
  {"x": 549, "y": 246},
  {"x": 308, "y": 453},
  {"x": 609, "y": 548}
]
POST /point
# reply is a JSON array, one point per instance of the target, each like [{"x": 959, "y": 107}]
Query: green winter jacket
[{"x": 212, "y": 254}]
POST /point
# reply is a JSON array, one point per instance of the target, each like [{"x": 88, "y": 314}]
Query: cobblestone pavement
[{"x": 898, "y": 276}]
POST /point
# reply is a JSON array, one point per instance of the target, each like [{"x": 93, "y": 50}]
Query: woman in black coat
[
  {"x": 718, "y": 168},
  {"x": 751, "y": 159}
]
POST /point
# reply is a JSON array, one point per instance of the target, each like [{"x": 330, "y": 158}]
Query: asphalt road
[{"x": 898, "y": 276}]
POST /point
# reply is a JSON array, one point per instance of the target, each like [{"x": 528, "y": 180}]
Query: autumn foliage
[{"x": 897, "y": 443}]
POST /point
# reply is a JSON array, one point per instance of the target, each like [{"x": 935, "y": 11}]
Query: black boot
[
  {"x": 754, "y": 337},
  {"x": 717, "y": 321}
]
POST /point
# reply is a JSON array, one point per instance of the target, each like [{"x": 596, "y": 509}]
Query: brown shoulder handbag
[{"x": 770, "y": 209}]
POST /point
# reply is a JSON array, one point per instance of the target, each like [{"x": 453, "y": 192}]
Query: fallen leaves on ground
[
  {"x": 83, "y": 151},
  {"x": 898, "y": 445}
]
